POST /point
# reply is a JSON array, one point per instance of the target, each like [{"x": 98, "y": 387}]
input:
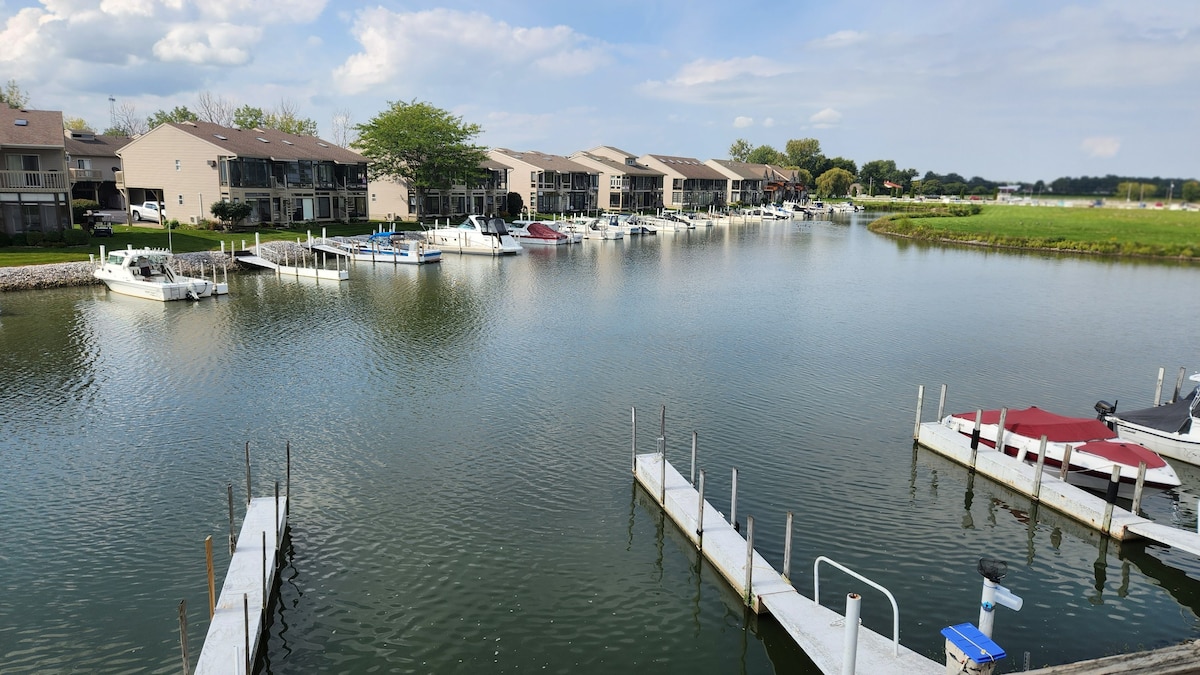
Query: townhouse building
[
  {"x": 624, "y": 184},
  {"x": 286, "y": 178},
  {"x": 688, "y": 183},
  {"x": 35, "y": 190},
  {"x": 391, "y": 199},
  {"x": 754, "y": 184},
  {"x": 93, "y": 165},
  {"x": 556, "y": 184}
]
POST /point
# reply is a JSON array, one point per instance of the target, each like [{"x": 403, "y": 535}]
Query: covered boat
[
  {"x": 537, "y": 233},
  {"x": 391, "y": 247},
  {"x": 1171, "y": 429},
  {"x": 1095, "y": 448}
]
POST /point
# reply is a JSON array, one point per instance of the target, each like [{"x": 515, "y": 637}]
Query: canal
[{"x": 462, "y": 500}]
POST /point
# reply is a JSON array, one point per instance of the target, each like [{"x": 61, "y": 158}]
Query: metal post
[
  {"x": 1000, "y": 430},
  {"x": 662, "y": 470},
  {"x": 850, "y": 636},
  {"x": 1158, "y": 387},
  {"x": 1037, "y": 469},
  {"x": 246, "y": 628},
  {"x": 183, "y": 642},
  {"x": 749, "y": 561},
  {"x": 733, "y": 502},
  {"x": 212, "y": 585},
  {"x": 920, "y": 403},
  {"x": 1066, "y": 462},
  {"x": 248, "y": 473},
  {"x": 264, "y": 571},
  {"x": 700, "y": 514},
  {"x": 694, "y": 439},
  {"x": 1137, "y": 488},
  {"x": 232, "y": 537},
  {"x": 975, "y": 434},
  {"x": 1111, "y": 496},
  {"x": 276, "y": 515},
  {"x": 941, "y": 404},
  {"x": 633, "y": 424},
  {"x": 288, "y": 486},
  {"x": 787, "y": 550}
]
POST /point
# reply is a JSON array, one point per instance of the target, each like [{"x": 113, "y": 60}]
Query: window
[
  {"x": 372, "y": 196},
  {"x": 181, "y": 200},
  {"x": 178, "y": 165},
  {"x": 85, "y": 164}
]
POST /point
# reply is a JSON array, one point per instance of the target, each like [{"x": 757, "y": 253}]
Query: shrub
[
  {"x": 78, "y": 206},
  {"x": 19, "y": 239},
  {"x": 52, "y": 237},
  {"x": 5, "y": 240},
  {"x": 34, "y": 238},
  {"x": 74, "y": 237}
]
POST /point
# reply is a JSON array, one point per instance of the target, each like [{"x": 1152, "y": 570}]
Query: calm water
[{"x": 460, "y": 439}]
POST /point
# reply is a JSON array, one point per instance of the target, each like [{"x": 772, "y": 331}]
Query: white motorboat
[
  {"x": 1171, "y": 429},
  {"x": 596, "y": 228},
  {"x": 478, "y": 235},
  {"x": 148, "y": 273},
  {"x": 390, "y": 247},
  {"x": 537, "y": 233},
  {"x": 1095, "y": 449}
]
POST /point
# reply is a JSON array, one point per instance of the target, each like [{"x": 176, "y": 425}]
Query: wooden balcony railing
[
  {"x": 33, "y": 181},
  {"x": 86, "y": 175}
]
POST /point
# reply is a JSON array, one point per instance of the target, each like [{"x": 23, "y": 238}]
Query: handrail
[{"x": 856, "y": 575}]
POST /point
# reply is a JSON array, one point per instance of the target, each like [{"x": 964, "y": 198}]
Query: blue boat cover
[{"x": 977, "y": 646}]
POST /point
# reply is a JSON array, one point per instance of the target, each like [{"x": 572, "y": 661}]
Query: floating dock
[
  {"x": 819, "y": 631},
  {"x": 233, "y": 639},
  {"x": 1047, "y": 488}
]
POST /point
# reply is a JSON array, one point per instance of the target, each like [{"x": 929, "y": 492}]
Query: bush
[
  {"x": 5, "y": 240},
  {"x": 74, "y": 237},
  {"x": 79, "y": 206},
  {"x": 34, "y": 238},
  {"x": 19, "y": 239},
  {"x": 52, "y": 237}
]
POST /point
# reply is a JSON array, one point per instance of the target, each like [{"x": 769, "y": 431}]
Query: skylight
[
  {"x": 322, "y": 144},
  {"x": 289, "y": 142},
  {"x": 21, "y": 123},
  {"x": 262, "y": 139},
  {"x": 221, "y": 137}
]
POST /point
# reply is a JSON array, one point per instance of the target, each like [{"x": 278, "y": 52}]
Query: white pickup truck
[{"x": 148, "y": 211}]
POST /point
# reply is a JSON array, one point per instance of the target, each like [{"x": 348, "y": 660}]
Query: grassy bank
[
  {"x": 182, "y": 241},
  {"x": 1131, "y": 232}
]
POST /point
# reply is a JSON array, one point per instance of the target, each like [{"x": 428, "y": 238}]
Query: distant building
[
  {"x": 624, "y": 184},
  {"x": 689, "y": 183},
  {"x": 392, "y": 200},
  {"x": 34, "y": 185},
  {"x": 556, "y": 184},
  {"x": 93, "y": 166}
]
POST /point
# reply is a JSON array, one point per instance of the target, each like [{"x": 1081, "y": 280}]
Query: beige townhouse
[
  {"x": 391, "y": 199},
  {"x": 688, "y": 183},
  {"x": 624, "y": 184},
  {"x": 754, "y": 184},
  {"x": 93, "y": 166},
  {"x": 556, "y": 184},
  {"x": 286, "y": 178},
  {"x": 35, "y": 190}
]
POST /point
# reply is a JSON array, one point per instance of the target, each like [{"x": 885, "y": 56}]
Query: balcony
[
  {"x": 119, "y": 177},
  {"x": 86, "y": 175},
  {"x": 33, "y": 181}
]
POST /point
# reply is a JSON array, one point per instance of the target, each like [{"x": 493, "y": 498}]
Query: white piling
[
  {"x": 662, "y": 465},
  {"x": 941, "y": 404},
  {"x": 1138, "y": 487},
  {"x": 1066, "y": 462},
  {"x": 987, "y": 607},
  {"x": 1000, "y": 430},
  {"x": 850, "y": 641},
  {"x": 920, "y": 402},
  {"x": 733, "y": 502},
  {"x": 787, "y": 550},
  {"x": 1037, "y": 469},
  {"x": 1110, "y": 497},
  {"x": 1178, "y": 384},
  {"x": 694, "y": 438},
  {"x": 633, "y": 423},
  {"x": 700, "y": 511},
  {"x": 749, "y": 560},
  {"x": 1158, "y": 387}
]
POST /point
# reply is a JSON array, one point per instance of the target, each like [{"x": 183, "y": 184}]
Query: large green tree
[
  {"x": 834, "y": 182},
  {"x": 284, "y": 118},
  {"x": 13, "y": 96},
  {"x": 739, "y": 150},
  {"x": 179, "y": 114},
  {"x": 765, "y": 154},
  {"x": 806, "y": 154},
  {"x": 1190, "y": 191},
  {"x": 422, "y": 146}
]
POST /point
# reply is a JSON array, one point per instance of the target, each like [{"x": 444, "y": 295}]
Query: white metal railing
[
  {"x": 33, "y": 181},
  {"x": 856, "y": 575}
]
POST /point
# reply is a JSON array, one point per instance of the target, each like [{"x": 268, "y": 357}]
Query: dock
[
  {"x": 232, "y": 642},
  {"x": 1049, "y": 489},
  {"x": 251, "y": 258},
  {"x": 819, "y": 631}
]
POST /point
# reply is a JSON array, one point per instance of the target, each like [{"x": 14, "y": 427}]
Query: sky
[{"x": 1008, "y": 90}]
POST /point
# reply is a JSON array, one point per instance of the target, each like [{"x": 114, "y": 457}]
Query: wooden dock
[
  {"x": 818, "y": 630},
  {"x": 232, "y": 643},
  {"x": 1051, "y": 490}
]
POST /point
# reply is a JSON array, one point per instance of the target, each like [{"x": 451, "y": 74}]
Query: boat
[
  {"x": 595, "y": 228},
  {"x": 149, "y": 273},
  {"x": 631, "y": 224},
  {"x": 537, "y": 233},
  {"x": 1094, "y": 447},
  {"x": 390, "y": 247},
  {"x": 1171, "y": 429},
  {"x": 478, "y": 235}
]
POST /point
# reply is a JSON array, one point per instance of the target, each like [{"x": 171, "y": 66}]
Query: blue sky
[{"x": 1013, "y": 90}]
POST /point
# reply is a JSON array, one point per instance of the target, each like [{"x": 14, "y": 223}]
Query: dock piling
[
  {"x": 1178, "y": 384},
  {"x": 1000, "y": 430},
  {"x": 248, "y": 493},
  {"x": 246, "y": 631},
  {"x": 1110, "y": 497},
  {"x": 749, "y": 560},
  {"x": 941, "y": 403},
  {"x": 850, "y": 643},
  {"x": 787, "y": 550},
  {"x": 183, "y": 641},
  {"x": 920, "y": 403},
  {"x": 662, "y": 478},
  {"x": 1137, "y": 489},
  {"x": 277, "y": 514},
  {"x": 975, "y": 436},
  {"x": 288, "y": 485},
  {"x": 633, "y": 425},
  {"x": 1037, "y": 471},
  {"x": 700, "y": 515},
  {"x": 1066, "y": 462},
  {"x": 694, "y": 440},
  {"x": 1158, "y": 387},
  {"x": 212, "y": 584},
  {"x": 733, "y": 502}
]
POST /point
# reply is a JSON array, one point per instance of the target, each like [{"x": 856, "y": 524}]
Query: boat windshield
[{"x": 495, "y": 226}]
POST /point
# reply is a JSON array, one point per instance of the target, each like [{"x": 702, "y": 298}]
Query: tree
[
  {"x": 806, "y": 154},
  {"x": 249, "y": 117},
  {"x": 179, "y": 114},
  {"x": 126, "y": 122},
  {"x": 765, "y": 154},
  {"x": 842, "y": 163},
  {"x": 834, "y": 182},
  {"x": 283, "y": 118},
  {"x": 875, "y": 172},
  {"x": 422, "y": 146},
  {"x": 740, "y": 150},
  {"x": 343, "y": 128},
  {"x": 13, "y": 96},
  {"x": 514, "y": 203},
  {"x": 803, "y": 177},
  {"x": 1190, "y": 191},
  {"x": 213, "y": 108},
  {"x": 231, "y": 214},
  {"x": 75, "y": 123}
]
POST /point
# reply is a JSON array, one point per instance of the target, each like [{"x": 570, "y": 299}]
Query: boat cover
[
  {"x": 1171, "y": 417},
  {"x": 1033, "y": 422},
  {"x": 1123, "y": 452},
  {"x": 540, "y": 231}
]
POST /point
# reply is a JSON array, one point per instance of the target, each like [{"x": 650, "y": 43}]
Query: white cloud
[
  {"x": 706, "y": 71},
  {"x": 445, "y": 45},
  {"x": 826, "y": 118},
  {"x": 741, "y": 122},
  {"x": 769, "y": 122},
  {"x": 262, "y": 11},
  {"x": 22, "y": 36},
  {"x": 219, "y": 44},
  {"x": 1102, "y": 147},
  {"x": 840, "y": 39}
]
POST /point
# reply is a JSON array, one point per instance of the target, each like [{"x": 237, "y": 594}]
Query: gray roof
[
  {"x": 746, "y": 170},
  {"x": 31, "y": 128},
  {"x": 690, "y": 167},
  {"x": 268, "y": 143},
  {"x": 85, "y": 144},
  {"x": 621, "y": 167},
  {"x": 544, "y": 162}
]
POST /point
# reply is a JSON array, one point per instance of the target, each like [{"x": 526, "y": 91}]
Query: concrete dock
[
  {"x": 233, "y": 639},
  {"x": 819, "y": 631}
]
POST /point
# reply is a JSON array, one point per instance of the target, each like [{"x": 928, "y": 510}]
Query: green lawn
[
  {"x": 1145, "y": 232},
  {"x": 182, "y": 241}
]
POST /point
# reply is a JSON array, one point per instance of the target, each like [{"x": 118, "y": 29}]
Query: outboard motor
[{"x": 1104, "y": 409}]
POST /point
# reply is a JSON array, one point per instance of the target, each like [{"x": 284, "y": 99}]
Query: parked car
[{"x": 148, "y": 211}]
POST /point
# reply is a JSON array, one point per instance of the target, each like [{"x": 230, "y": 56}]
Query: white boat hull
[
  {"x": 465, "y": 241},
  {"x": 183, "y": 290},
  {"x": 153, "y": 277},
  {"x": 1184, "y": 447}
]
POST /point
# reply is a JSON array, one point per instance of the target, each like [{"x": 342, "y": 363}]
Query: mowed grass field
[{"x": 1110, "y": 231}]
